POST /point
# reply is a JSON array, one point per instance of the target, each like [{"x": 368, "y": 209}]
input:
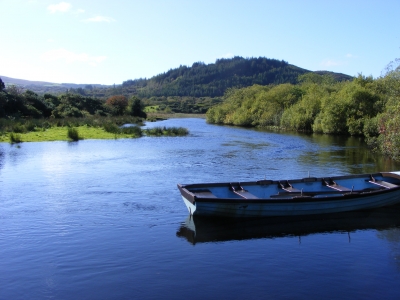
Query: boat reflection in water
[{"x": 202, "y": 230}]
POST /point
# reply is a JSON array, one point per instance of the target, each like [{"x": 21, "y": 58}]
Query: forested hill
[{"x": 212, "y": 80}]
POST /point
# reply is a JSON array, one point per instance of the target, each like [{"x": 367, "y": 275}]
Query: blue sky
[{"x": 108, "y": 42}]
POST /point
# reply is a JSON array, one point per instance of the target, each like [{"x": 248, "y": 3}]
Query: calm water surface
[{"x": 104, "y": 220}]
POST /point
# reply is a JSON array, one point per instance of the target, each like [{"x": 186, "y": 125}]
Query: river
[{"x": 103, "y": 219}]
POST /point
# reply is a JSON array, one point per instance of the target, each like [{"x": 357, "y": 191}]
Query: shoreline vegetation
[
  {"x": 364, "y": 107},
  {"x": 75, "y": 129}
]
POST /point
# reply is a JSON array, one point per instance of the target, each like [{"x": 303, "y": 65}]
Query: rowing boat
[{"x": 297, "y": 197}]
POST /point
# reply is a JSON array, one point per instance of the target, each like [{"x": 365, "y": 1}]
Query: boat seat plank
[
  {"x": 333, "y": 185},
  {"x": 384, "y": 184},
  {"x": 288, "y": 187},
  {"x": 240, "y": 191},
  {"x": 245, "y": 194}
]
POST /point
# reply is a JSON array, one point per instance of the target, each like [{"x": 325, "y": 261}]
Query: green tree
[{"x": 136, "y": 107}]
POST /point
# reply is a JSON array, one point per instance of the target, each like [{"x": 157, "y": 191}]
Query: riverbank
[
  {"x": 41, "y": 130},
  {"x": 61, "y": 134},
  {"x": 86, "y": 132}
]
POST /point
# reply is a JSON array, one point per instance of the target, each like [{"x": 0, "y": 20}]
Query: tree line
[
  {"x": 363, "y": 106},
  {"x": 16, "y": 103}
]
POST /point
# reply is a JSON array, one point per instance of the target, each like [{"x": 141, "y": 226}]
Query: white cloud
[
  {"x": 100, "y": 19},
  {"x": 349, "y": 55},
  {"x": 71, "y": 57},
  {"x": 60, "y": 7},
  {"x": 330, "y": 63}
]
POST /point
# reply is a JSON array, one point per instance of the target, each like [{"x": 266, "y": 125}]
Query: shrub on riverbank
[
  {"x": 73, "y": 134},
  {"x": 15, "y": 138},
  {"x": 166, "y": 131}
]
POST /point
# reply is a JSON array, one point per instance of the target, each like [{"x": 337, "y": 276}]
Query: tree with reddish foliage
[{"x": 117, "y": 104}]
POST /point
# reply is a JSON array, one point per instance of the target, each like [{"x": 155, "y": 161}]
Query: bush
[
  {"x": 136, "y": 131},
  {"x": 19, "y": 128},
  {"x": 15, "y": 138},
  {"x": 73, "y": 134},
  {"x": 112, "y": 128},
  {"x": 164, "y": 131}
]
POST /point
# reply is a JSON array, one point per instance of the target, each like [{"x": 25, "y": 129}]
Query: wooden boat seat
[
  {"x": 239, "y": 190},
  {"x": 245, "y": 194},
  {"x": 333, "y": 185},
  {"x": 288, "y": 187},
  {"x": 385, "y": 184}
]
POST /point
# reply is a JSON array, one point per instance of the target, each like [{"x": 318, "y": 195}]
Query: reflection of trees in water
[
  {"x": 393, "y": 237},
  {"x": 10, "y": 153},
  {"x": 1, "y": 157},
  {"x": 15, "y": 154},
  {"x": 351, "y": 152}
]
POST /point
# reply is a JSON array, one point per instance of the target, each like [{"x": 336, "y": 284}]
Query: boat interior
[{"x": 306, "y": 187}]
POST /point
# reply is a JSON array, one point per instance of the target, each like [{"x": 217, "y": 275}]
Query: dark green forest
[{"x": 212, "y": 80}]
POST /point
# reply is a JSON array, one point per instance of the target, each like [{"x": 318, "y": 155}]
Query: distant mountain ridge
[
  {"x": 199, "y": 80},
  {"x": 24, "y": 82}
]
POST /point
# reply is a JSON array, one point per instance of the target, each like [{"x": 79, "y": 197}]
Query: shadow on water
[{"x": 204, "y": 230}]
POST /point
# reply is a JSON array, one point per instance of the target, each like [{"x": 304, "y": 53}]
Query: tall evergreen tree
[{"x": 2, "y": 85}]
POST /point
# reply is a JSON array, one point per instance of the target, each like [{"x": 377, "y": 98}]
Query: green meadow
[{"x": 61, "y": 134}]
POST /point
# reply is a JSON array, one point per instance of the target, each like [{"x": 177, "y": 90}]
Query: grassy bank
[
  {"x": 61, "y": 134},
  {"x": 74, "y": 129},
  {"x": 88, "y": 132}
]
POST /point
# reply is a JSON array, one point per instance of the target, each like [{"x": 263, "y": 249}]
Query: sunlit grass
[
  {"x": 152, "y": 109},
  {"x": 61, "y": 134}
]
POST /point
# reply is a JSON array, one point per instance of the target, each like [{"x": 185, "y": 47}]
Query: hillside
[
  {"x": 212, "y": 80},
  {"x": 199, "y": 80}
]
